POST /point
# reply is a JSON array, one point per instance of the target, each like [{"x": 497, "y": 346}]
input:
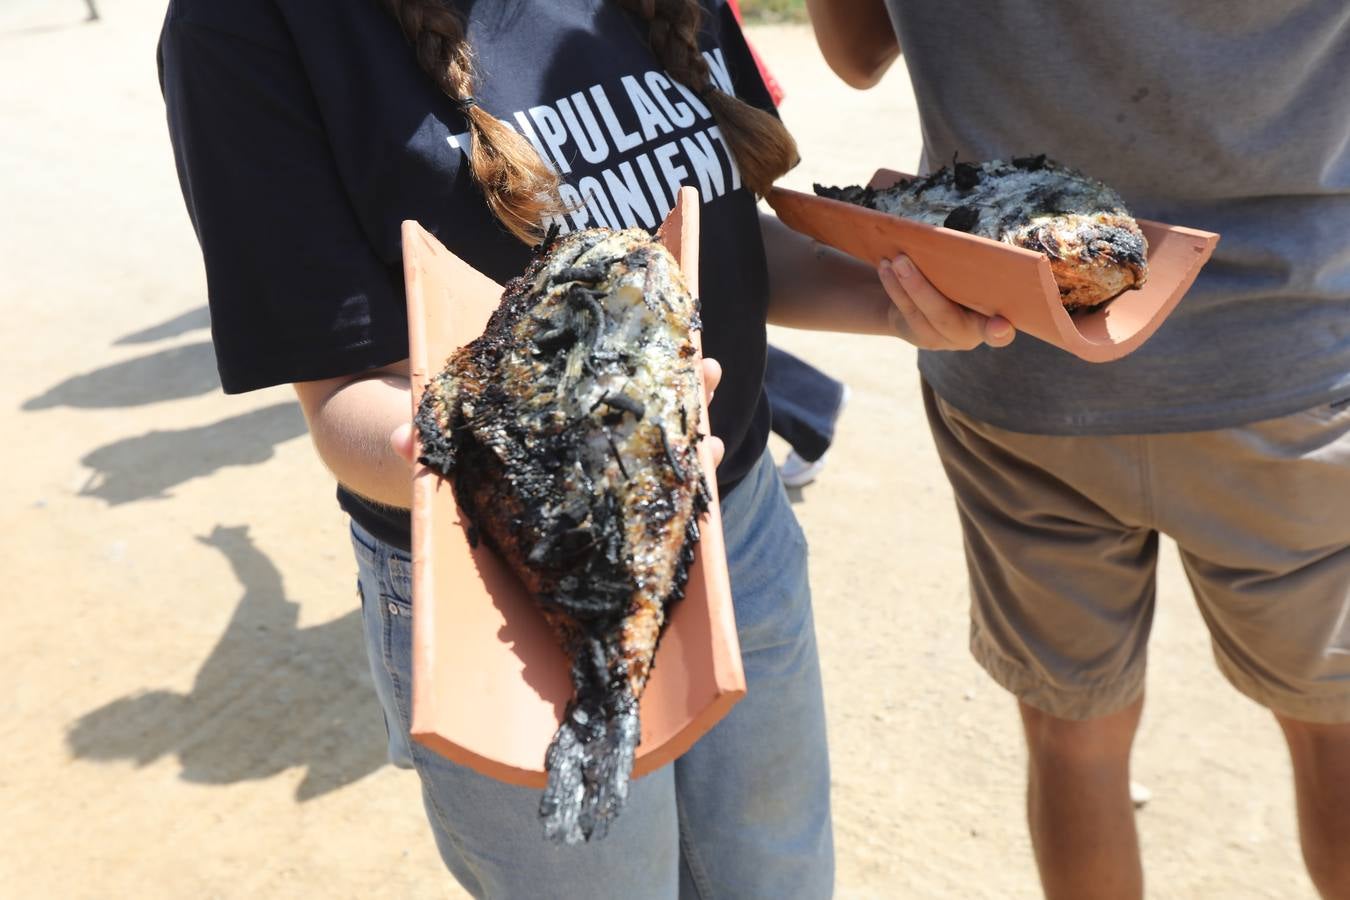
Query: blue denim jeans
[
  {"x": 804, "y": 403},
  {"x": 744, "y": 814}
]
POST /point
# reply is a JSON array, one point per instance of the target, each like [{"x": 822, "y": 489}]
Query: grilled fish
[
  {"x": 1095, "y": 248},
  {"x": 569, "y": 432}
]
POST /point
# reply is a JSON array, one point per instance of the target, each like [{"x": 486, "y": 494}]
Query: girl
[{"x": 305, "y": 133}]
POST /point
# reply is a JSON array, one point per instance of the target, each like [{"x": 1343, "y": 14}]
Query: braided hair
[
  {"x": 521, "y": 189},
  {"x": 764, "y": 150}
]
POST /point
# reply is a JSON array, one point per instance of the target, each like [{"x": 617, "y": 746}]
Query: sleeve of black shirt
[{"x": 296, "y": 290}]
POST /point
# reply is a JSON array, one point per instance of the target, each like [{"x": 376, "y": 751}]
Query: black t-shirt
[{"x": 305, "y": 134}]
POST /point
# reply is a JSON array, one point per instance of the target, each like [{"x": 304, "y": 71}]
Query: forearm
[
  {"x": 855, "y": 37},
  {"x": 812, "y": 286},
  {"x": 816, "y": 287},
  {"x": 351, "y": 420}
]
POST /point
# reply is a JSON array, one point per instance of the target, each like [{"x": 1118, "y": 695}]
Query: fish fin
[
  {"x": 438, "y": 422},
  {"x": 591, "y": 757},
  {"x": 589, "y": 763}
]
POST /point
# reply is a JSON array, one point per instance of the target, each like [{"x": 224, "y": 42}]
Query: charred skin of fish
[
  {"x": 1080, "y": 225},
  {"x": 569, "y": 431}
]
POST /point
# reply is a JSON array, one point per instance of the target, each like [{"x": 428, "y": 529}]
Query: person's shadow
[
  {"x": 149, "y": 466},
  {"x": 271, "y": 696}
]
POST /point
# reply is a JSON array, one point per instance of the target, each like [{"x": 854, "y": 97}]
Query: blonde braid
[
  {"x": 763, "y": 148},
  {"x": 520, "y": 188}
]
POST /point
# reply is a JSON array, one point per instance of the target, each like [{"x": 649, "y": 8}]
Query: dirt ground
[{"x": 188, "y": 709}]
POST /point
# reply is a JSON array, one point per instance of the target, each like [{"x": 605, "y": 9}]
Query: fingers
[
  {"x": 401, "y": 439},
  {"x": 935, "y": 322},
  {"x": 998, "y": 331},
  {"x": 712, "y": 376},
  {"x": 719, "y": 449},
  {"x": 922, "y": 315}
]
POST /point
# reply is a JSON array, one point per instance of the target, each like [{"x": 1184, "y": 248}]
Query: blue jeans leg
[
  {"x": 804, "y": 403},
  {"x": 754, "y": 792},
  {"x": 744, "y": 814}
]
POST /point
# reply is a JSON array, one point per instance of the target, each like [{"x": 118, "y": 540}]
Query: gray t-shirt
[{"x": 1231, "y": 117}]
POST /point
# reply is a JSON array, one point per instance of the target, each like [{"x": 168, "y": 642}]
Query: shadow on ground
[
  {"x": 172, "y": 374},
  {"x": 191, "y": 320},
  {"x": 269, "y": 697},
  {"x": 148, "y": 465}
]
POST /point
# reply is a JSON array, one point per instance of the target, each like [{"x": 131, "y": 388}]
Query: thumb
[
  {"x": 719, "y": 449},
  {"x": 401, "y": 439}
]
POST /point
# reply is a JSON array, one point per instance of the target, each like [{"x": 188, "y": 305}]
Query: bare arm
[
  {"x": 351, "y": 419},
  {"x": 856, "y": 38},
  {"x": 360, "y": 423},
  {"x": 361, "y": 426},
  {"x": 815, "y": 287}
]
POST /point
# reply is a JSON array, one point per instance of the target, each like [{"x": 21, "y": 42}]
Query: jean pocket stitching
[
  {"x": 398, "y": 569},
  {"x": 391, "y": 610}
]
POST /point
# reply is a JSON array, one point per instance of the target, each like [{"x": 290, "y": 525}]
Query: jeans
[
  {"x": 804, "y": 403},
  {"x": 744, "y": 814}
]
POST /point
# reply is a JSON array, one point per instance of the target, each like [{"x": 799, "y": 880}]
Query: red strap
[{"x": 775, "y": 89}]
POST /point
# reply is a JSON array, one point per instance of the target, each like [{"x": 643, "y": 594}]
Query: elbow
[
  {"x": 860, "y": 70},
  {"x": 860, "y": 78},
  {"x": 856, "y": 37}
]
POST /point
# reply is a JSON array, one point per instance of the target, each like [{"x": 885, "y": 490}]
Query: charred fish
[
  {"x": 569, "y": 432},
  {"x": 1094, "y": 245}
]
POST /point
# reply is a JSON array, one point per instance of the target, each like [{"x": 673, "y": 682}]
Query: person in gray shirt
[{"x": 1229, "y": 430}]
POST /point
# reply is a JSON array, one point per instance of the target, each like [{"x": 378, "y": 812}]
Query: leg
[
  {"x": 1061, "y": 560},
  {"x": 1321, "y": 757},
  {"x": 754, "y": 793},
  {"x": 1078, "y": 804},
  {"x": 489, "y": 833},
  {"x": 93, "y": 10},
  {"x": 804, "y": 403},
  {"x": 1259, "y": 513}
]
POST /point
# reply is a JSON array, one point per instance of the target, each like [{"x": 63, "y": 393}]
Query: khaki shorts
[{"x": 1061, "y": 541}]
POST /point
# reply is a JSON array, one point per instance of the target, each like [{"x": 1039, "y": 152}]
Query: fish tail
[{"x": 589, "y": 762}]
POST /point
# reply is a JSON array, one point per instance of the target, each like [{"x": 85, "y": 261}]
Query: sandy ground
[{"x": 187, "y": 706}]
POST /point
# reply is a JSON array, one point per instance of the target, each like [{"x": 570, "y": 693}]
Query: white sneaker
[{"x": 797, "y": 472}]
